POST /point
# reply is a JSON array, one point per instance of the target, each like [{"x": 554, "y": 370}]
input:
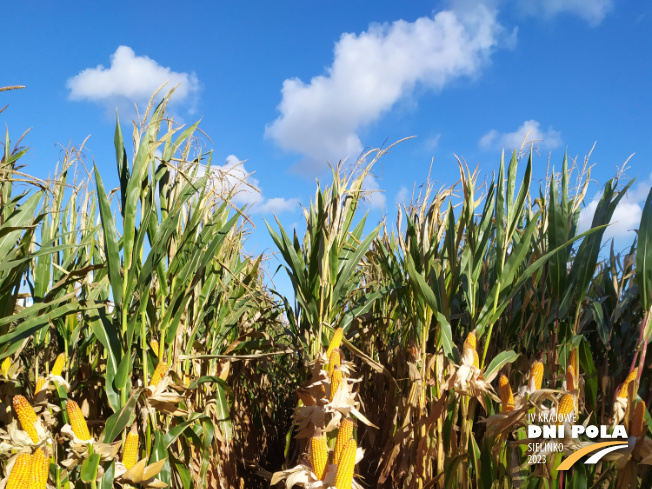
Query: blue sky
[{"x": 287, "y": 86}]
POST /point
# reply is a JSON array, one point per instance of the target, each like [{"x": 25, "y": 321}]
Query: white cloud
[
  {"x": 403, "y": 196},
  {"x": 234, "y": 177},
  {"x": 592, "y": 11},
  {"x": 371, "y": 71},
  {"x": 276, "y": 205},
  {"x": 375, "y": 197},
  {"x": 528, "y": 132},
  {"x": 627, "y": 216},
  {"x": 130, "y": 77}
]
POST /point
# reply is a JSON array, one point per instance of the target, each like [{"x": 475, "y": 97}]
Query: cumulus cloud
[
  {"x": 592, "y": 11},
  {"x": 528, "y": 132},
  {"x": 371, "y": 71},
  {"x": 233, "y": 177},
  {"x": 131, "y": 78},
  {"x": 402, "y": 196},
  {"x": 626, "y": 217}
]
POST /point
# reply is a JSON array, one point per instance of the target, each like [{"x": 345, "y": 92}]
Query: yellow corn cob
[
  {"x": 130, "y": 452},
  {"x": 536, "y": 373},
  {"x": 506, "y": 396},
  {"x": 159, "y": 373},
  {"x": 6, "y": 365},
  {"x": 638, "y": 427},
  {"x": 336, "y": 341},
  {"x": 336, "y": 381},
  {"x": 333, "y": 360},
  {"x": 40, "y": 469},
  {"x": 306, "y": 397},
  {"x": 155, "y": 347},
  {"x": 476, "y": 360},
  {"x": 570, "y": 378},
  {"x": 26, "y": 416},
  {"x": 344, "y": 475},
  {"x": 77, "y": 421},
  {"x": 21, "y": 472},
  {"x": 632, "y": 376},
  {"x": 40, "y": 382},
  {"x": 318, "y": 454},
  {"x": 343, "y": 435},
  {"x": 566, "y": 406},
  {"x": 58, "y": 365},
  {"x": 471, "y": 341}
]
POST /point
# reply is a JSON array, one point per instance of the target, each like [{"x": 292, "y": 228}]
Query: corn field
[{"x": 141, "y": 346}]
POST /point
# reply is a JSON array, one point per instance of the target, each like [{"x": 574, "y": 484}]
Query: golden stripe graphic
[{"x": 568, "y": 463}]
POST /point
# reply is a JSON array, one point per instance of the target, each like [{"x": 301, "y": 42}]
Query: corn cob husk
[
  {"x": 333, "y": 360},
  {"x": 21, "y": 473},
  {"x": 159, "y": 374},
  {"x": 566, "y": 406},
  {"x": 306, "y": 397},
  {"x": 346, "y": 465},
  {"x": 40, "y": 469},
  {"x": 318, "y": 454},
  {"x": 637, "y": 428},
  {"x": 336, "y": 341},
  {"x": 26, "y": 416},
  {"x": 336, "y": 381},
  {"x": 59, "y": 363},
  {"x": 570, "y": 378},
  {"x": 476, "y": 360},
  {"x": 630, "y": 378},
  {"x": 536, "y": 373},
  {"x": 506, "y": 395},
  {"x": 6, "y": 365},
  {"x": 130, "y": 452},
  {"x": 344, "y": 433},
  {"x": 471, "y": 340},
  {"x": 77, "y": 421}
]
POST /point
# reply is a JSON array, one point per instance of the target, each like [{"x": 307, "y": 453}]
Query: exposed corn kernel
[
  {"x": 346, "y": 465},
  {"x": 130, "y": 452},
  {"x": 343, "y": 435},
  {"x": 630, "y": 378},
  {"x": 26, "y": 416},
  {"x": 536, "y": 373},
  {"x": 59, "y": 363},
  {"x": 77, "y": 421},
  {"x": 336, "y": 341},
  {"x": 318, "y": 454},
  {"x": 506, "y": 396}
]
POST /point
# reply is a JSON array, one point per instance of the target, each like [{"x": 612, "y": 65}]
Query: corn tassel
[
  {"x": 159, "y": 373},
  {"x": 336, "y": 341},
  {"x": 21, "y": 472},
  {"x": 318, "y": 454},
  {"x": 506, "y": 396},
  {"x": 26, "y": 416},
  {"x": 344, "y": 434},
  {"x": 638, "y": 424},
  {"x": 630, "y": 378},
  {"x": 336, "y": 381},
  {"x": 59, "y": 363},
  {"x": 536, "y": 373},
  {"x": 346, "y": 465},
  {"x": 40, "y": 468},
  {"x": 130, "y": 452},
  {"x": 77, "y": 421}
]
